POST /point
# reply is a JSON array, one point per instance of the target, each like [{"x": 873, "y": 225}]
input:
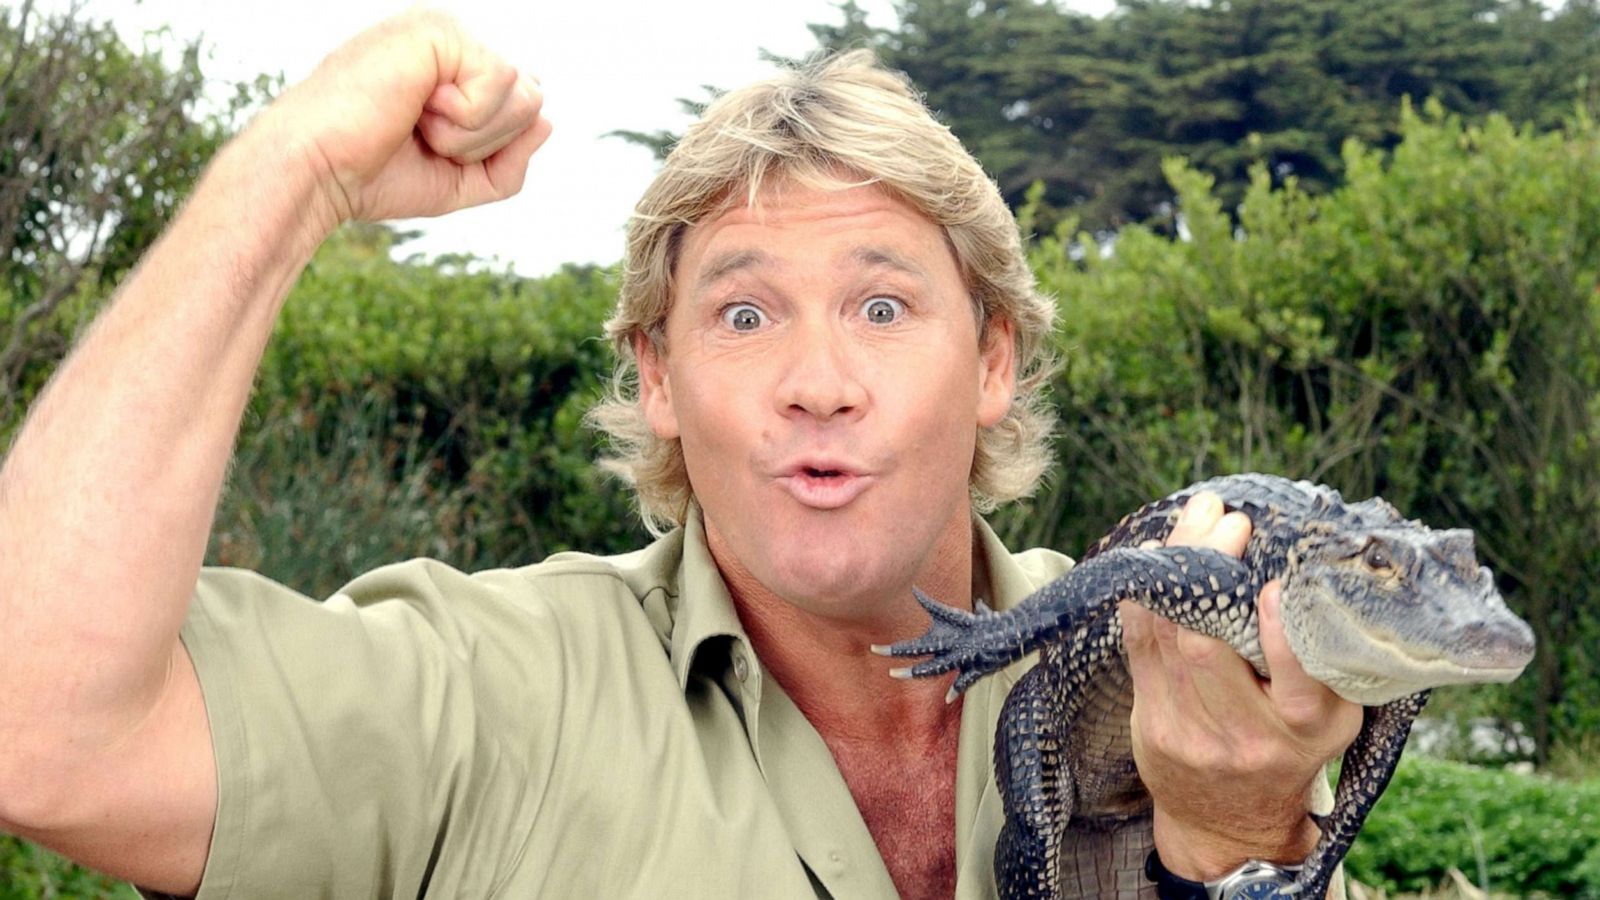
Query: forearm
[{"x": 107, "y": 496}]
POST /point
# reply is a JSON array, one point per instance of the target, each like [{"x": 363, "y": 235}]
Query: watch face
[{"x": 1265, "y": 889}]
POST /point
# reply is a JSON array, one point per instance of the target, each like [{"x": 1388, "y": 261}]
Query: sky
[{"x": 603, "y": 64}]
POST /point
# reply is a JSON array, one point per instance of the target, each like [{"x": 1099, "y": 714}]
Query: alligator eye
[{"x": 1376, "y": 557}]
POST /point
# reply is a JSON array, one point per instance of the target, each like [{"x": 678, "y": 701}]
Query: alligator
[{"x": 1379, "y": 608}]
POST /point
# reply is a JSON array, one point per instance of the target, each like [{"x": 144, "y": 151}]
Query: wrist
[
  {"x": 1202, "y": 851},
  {"x": 296, "y": 188}
]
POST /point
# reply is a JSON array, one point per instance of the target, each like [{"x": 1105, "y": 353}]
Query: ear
[
  {"x": 655, "y": 388},
  {"x": 997, "y": 371}
]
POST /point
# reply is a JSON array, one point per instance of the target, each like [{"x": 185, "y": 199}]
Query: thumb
[{"x": 1302, "y": 701}]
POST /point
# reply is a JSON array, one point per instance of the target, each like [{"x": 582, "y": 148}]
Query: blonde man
[{"x": 835, "y": 346}]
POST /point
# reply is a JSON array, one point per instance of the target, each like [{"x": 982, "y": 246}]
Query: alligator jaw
[{"x": 1374, "y": 666}]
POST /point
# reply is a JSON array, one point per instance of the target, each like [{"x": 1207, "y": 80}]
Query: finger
[
  {"x": 1142, "y": 652},
  {"x": 1304, "y": 704},
  {"x": 476, "y": 94},
  {"x": 1231, "y": 534},
  {"x": 1151, "y": 718},
  {"x": 1198, "y": 517},
  {"x": 1224, "y": 685},
  {"x": 506, "y": 171},
  {"x": 465, "y": 146},
  {"x": 1204, "y": 524}
]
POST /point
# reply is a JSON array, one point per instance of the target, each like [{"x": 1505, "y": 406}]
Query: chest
[{"x": 907, "y": 802}]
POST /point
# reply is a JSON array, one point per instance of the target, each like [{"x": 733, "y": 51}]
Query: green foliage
[
  {"x": 1091, "y": 106},
  {"x": 1428, "y": 332},
  {"x": 1523, "y": 834},
  {"x": 409, "y": 408},
  {"x": 99, "y": 143},
  {"x": 28, "y": 872}
]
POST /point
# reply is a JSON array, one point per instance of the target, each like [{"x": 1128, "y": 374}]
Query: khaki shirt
[{"x": 584, "y": 727}]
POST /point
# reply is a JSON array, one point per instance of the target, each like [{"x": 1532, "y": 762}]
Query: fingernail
[
  {"x": 1272, "y": 595},
  {"x": 1200, "y": 505}
]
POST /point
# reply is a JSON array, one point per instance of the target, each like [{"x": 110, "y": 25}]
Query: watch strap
[
  {"x": 1252, "y": 872},
  {"x": 1170, "y": 886}
]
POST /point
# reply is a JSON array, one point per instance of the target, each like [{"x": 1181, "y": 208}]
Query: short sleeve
[{"x": 361, "y": 743}]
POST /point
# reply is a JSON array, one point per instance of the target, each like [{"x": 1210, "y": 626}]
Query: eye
[
  {"x": 1376, "y": 557},
  {"x": 883, "y": 310},
  {"x": 743, "y": 317}
]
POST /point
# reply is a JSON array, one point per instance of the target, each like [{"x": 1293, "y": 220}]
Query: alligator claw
[{"x": 948, "y": 641}]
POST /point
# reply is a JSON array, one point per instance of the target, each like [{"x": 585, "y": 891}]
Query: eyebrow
[
  {"x": 884, "y": 258},
  {"x": 728, "y": 263}
]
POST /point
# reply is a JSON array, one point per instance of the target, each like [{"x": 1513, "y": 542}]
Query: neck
[{"x": 825, "y": 664}]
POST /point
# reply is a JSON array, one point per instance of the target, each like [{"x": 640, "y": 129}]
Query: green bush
[
  {"x": 1429, "y": 331},
  {"x": 1523, "y": 834},
  {"x": 474, "y": 381},
  {"x": 28, "y": 872}
]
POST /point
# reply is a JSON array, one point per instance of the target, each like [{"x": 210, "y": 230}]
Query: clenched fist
[{"x": 413, "y": 117}]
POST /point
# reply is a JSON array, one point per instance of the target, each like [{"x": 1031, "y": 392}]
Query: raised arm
[{"x": 108, "y": 494}]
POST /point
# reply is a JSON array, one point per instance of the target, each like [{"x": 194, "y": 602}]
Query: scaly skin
[{"x": 1379, "y": 608}]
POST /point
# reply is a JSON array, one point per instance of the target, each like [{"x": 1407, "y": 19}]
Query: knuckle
[
  {"x": 1256, "y": 757},
  {"x": 1202, "y": 756},
  {"x": 1306, "y": 713},
  {"x": 442, "y": 136},
  {"x": 1198, "y": 650},
  {"x": 534, "y": 100}
]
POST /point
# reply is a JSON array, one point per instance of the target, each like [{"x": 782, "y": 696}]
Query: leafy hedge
[
  {"x": 423, "y": 408},
  {"x": 1429, "y": 331},
  {"x": 1531, "y": 834}
]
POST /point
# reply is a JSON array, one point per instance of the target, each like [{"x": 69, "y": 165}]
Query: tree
[
  {"x": 1428, "y": 331},
  {"x": 1090, "y": 107},
  {"x": 98, "y": 145}
]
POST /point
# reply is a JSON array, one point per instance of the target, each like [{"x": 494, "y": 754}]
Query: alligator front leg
[
  {"x": 1036, "y": 787},
  {"x": 1167, "y": 580},
  {"x": 1368, "y": 765}
]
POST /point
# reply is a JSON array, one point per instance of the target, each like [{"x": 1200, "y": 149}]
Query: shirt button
[{"x": 741, "y": 668}]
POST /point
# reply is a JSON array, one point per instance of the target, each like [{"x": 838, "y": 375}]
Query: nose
[{"x": 820, "y": 375}]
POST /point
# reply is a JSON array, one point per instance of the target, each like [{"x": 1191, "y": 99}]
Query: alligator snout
[{"x": 1497, "y": 641}]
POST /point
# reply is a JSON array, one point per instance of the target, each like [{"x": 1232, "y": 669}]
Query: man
[{"x": 828, "y": 385}]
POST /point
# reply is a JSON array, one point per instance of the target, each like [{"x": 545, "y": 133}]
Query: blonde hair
[{"x": 830, "y": 123}]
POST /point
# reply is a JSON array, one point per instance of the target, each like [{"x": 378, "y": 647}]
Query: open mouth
[{"x": 822, "y": 487}]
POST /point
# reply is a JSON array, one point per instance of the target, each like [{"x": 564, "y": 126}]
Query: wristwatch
[{"x": 1255, "y": 880}]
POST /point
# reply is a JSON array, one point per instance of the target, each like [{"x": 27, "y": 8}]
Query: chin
[{"x": 835, "y": 579}]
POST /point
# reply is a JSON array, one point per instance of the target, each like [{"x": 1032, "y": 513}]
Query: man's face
[{"x": 823, "y": 373}]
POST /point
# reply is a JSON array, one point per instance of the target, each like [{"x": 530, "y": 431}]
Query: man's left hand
[{"x": 1228, "y": 757}]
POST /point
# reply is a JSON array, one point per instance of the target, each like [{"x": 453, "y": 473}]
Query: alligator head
[{"x": 1380, "y": 612}]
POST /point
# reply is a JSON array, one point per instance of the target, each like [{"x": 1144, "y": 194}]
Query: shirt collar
[
  {"x": 705, "y": 608},
  {"x": 705, "y": 612}
]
